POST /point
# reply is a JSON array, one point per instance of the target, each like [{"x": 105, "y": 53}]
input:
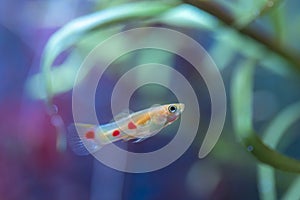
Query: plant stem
[{"x": 252, "y": 31}]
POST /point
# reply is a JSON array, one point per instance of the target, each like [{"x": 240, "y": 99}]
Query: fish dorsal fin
[
  {"x": 155, "y": 105},
  {"x": 82, "y": 139},
  {"x": 121, "y": 115},
  {"x": 117, "y": 119}
]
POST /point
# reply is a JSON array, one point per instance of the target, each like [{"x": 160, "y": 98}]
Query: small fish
[{"x": 139, "y": 126}]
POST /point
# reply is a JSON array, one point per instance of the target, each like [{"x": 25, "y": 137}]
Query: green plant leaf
[
  {"x": 244, "y": 11},
  {"x": 188, "y": 16},
  {"x": 272, "y": 136},
  {"x": 293, "y": 192},
  {"x": 73, "y": 31},
  {"x": 241, "y": 98}
]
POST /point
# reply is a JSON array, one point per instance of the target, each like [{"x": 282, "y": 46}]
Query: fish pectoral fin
[
  {"x": 127, "y": 138},
  {"x": 140, "y": 140},
  {"x": 158, "y": 119}
]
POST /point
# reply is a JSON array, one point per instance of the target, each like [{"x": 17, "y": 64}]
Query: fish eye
[{"x": 172, "y": 109}]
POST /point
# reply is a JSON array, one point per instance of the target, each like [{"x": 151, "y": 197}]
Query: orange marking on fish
[
  {"x": 143, "y": 119},
  {"x": 90, "y": 135}
]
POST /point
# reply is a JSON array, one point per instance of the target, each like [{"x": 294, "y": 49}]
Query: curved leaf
[
  {"x": 73, "y": 31},
  {"x": 272, "y": 137},
  {"x": 241, "y": 97}
]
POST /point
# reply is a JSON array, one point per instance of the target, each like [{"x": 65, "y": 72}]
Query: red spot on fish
[
  {"x": 90, "y": 134},
  {"x": 131, "y": 125},
  {"x": 116, "y": 133}
]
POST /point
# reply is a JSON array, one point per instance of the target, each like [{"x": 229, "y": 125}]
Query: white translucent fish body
[{"x": 139, "y": 125}]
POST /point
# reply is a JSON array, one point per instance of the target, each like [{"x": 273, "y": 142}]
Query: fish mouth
[{"x": 181, "y": 107}]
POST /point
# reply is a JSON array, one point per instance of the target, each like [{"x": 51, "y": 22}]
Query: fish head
[
  {"x": 160, "y": 116},
  {"x": 173, "y": 111},
  {"x": 165, "y": 114}
]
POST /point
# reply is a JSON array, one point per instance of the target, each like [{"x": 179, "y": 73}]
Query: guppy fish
[{"x": 139, "y": 126}]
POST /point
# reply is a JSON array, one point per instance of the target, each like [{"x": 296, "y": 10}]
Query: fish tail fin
[{"x": 82, "y": 139}]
